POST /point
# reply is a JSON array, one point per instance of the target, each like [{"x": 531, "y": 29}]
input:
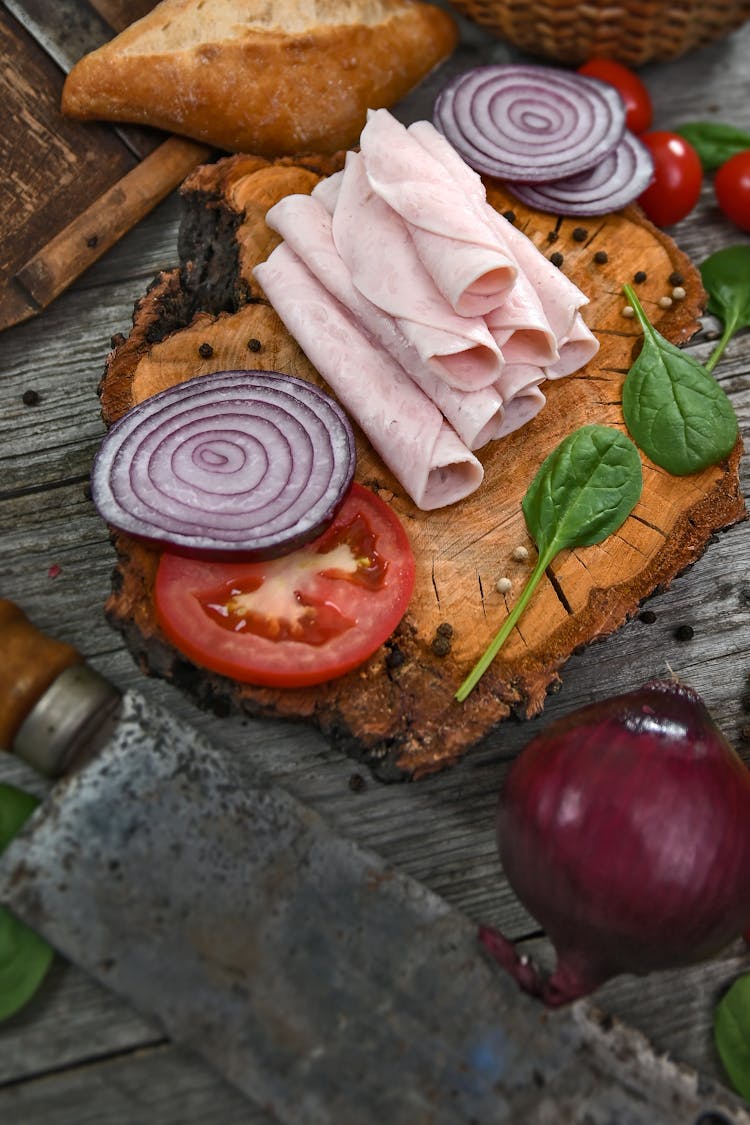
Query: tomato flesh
[
  {"x": 639, "y": 110},
  {"x": 732, "y": 189},
  {"x": 300, "y": 619},
  {"x": 678, "y": 176}
]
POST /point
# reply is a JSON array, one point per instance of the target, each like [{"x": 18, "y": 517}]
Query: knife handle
[
  {"x": 107, "y": 219},
  {"x": 53, "y": 706}
]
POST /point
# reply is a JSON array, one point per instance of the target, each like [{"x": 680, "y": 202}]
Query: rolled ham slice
[
  {"x": 376, "y": 248},
  {"x": 408, "y": 431},
  {"x": 561, "y": 300},
  {"x": 305, "y": 225},
  {"x": 519, "y": 388},
  {"x": 518, "y": 326},
  {"x": 459, "y": 250}
]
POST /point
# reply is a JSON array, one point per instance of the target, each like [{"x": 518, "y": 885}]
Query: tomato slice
[{"x": 300, "y": 619}]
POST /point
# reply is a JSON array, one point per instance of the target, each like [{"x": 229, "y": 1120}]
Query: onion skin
[{"x": 624, "y": 829}]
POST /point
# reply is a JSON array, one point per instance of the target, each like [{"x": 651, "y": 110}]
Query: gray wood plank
[
  {"x": 441, "y": 829},
  {"x": 153, "y": 1086}
]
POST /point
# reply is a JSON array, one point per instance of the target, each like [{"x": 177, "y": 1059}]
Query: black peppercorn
[
  {"x": 684, "y": 633},
  {"x": 356, "y": 783},
  {"x": 552, "y": 236},
  {"x": 580, "y": 234},
  {"x": 31, "y": 398},
  {"x": 676, "y": 278},
  {"x": 444, "y": 629},
  {"x": 510, "y": 216},
  {"x": 394, "y": 658},
  {"x": 647, "y": 617},
  {"x": 254, "y": 345},
  {"x": 639, "y": 277},
  {"x": 556, "y": 258},
  {"x": 601, "y": 257},
  {"x": 205, "y": 351}
]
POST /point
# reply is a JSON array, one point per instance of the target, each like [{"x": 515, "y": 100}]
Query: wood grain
[
  {"x": 52, "y": 168},
  {"x": 403, "y": 719},
  {"x": 78, "y": 1055}
]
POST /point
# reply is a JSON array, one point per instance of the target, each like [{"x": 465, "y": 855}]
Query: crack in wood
[
  {"x": 557, "y": 587},
  {"x": 47, "y": 486},
  {"x": 651, "y": 526},
  {"x": 159, "y": 1042}
]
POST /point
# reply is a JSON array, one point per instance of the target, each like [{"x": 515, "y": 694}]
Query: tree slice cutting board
[{"x": 397, "y": 712}]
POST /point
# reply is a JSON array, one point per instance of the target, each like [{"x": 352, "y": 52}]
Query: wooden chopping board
[
  {"x": 72, "y": 188},
  {"x": 397, "y": 712}
]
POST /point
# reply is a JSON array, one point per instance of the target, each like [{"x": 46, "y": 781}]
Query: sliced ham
[
  {"x": 379, "y": 253},
  {"x": 407, "y": 430},
  {"x": 561, "y": 300},
  {"x": 519, "y": 388},
  {"x": 433, "y": 318},
  {"x": 520, "y": 328},
  {"x": 519, "y": 325},
  {"x": 464, "y": 257},
  {"x": 305, "y": 225}
]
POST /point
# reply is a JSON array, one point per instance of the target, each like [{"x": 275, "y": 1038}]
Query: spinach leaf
[
  {"x": 714, "y": 142},
  {"x": 24, "y": 956},
  {"x": 732, "y": 1034},
  {"x": 583, "y": 491},
  {"x": 674, "y": 409},
  {"x": 726, "y": 278}
]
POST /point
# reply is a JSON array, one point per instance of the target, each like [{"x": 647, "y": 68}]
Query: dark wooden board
[
  {"x": 400, "y": 714},
  {"x": 71, "y": 189}
]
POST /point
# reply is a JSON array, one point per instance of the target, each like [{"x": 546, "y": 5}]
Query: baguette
[{"x": 275, "y": 79}]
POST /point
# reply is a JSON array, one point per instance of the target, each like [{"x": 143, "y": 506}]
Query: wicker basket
[{"x": 636, "y": 32}]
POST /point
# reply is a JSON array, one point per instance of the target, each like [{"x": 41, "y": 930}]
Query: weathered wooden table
[{"x": 78, "y": 1055}]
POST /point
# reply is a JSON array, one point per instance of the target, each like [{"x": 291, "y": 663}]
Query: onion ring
[
  {"x": 617, "y": 180},
  {"x": 249, "y": 464},
  {"x": 529, "y": 123}
]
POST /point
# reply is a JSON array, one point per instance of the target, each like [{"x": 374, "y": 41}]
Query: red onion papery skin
[{"x": 624, "y": 829}]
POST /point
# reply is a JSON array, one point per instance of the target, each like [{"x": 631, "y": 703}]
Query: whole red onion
[{"x": 624, "y": 829}]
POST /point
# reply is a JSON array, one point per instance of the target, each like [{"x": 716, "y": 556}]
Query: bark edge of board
[{"x": 396, "y": 713}]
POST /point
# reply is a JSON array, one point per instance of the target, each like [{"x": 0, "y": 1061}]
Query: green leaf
[
  {"x": 582, "y": 492},
  {"x": 714, "y": 142},
  {"x": 24, "y": 961},
  {"x": 15, "y": 809},
  {"x": 24, "y": 956},
  {"x": 732, "y": 1034},
  {"x": 674, "y": 409},
  {"x": 726, "y": 278}
]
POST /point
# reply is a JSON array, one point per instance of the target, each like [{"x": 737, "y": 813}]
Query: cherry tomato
[
  {"x": 300, "y": 619},
  {"x": 639, "y": 112},
  {"x": 678, "y": 175},
  {"x": 732, "y": 188}
]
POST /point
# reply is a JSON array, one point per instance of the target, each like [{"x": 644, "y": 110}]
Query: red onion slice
[
  {"x": 251, "y": 463},
  {"x": 529, "y": 123},
  {"x": 616, "y": 180}
]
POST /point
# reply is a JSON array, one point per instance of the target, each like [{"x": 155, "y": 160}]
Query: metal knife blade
[
  {"x": 327, "y": 986},
  {"x": 67, "y": 31},
  {"x": 323, "y": 984}
]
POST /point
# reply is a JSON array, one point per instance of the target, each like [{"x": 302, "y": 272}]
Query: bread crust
[{"x": 262, "y": 90}]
